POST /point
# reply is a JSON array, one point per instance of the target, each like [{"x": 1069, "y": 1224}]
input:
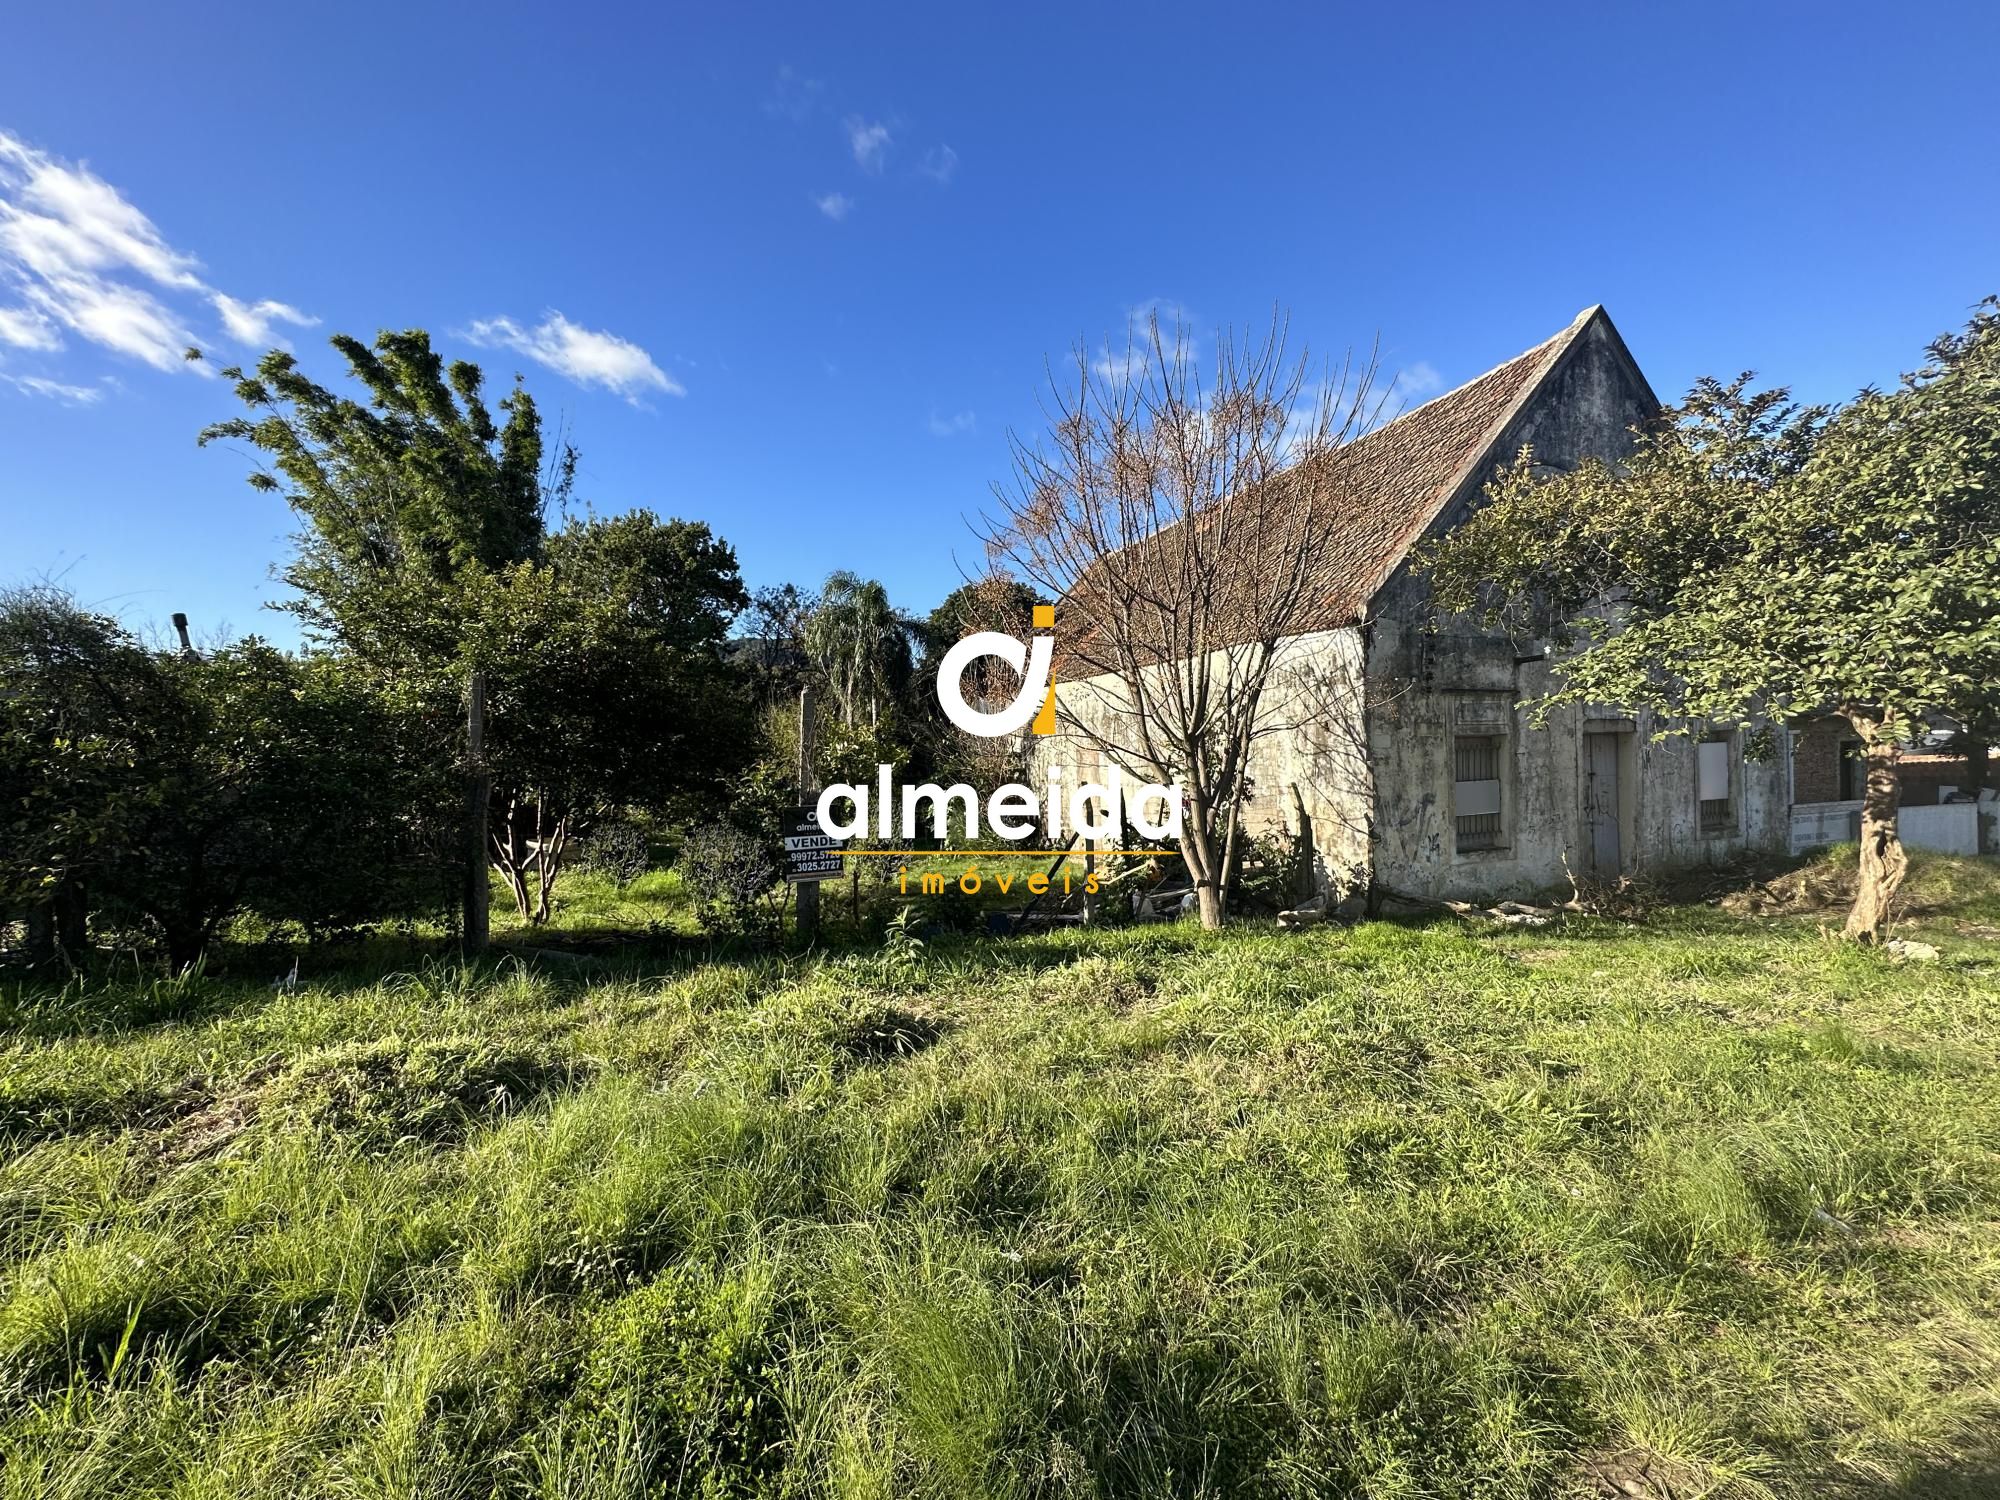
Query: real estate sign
[{"x": 810, "y": 852}]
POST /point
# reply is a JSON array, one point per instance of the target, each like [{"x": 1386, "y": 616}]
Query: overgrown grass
[{"x": 1703, "y": 1205}]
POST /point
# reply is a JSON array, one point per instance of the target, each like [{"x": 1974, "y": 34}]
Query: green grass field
[{"x": 1699, "y": 1206}]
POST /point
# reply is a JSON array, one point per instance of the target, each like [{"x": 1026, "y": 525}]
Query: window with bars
[
  {"x": 1717, "y": 807},
  {"x": 1475, "y": 801}
]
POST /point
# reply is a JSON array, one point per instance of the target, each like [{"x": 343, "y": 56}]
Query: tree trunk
[
  {"x": 1199, "y": 853},
  {"x": 513, "y": 859},
  {"x": 71, "y": 914},
  {"x": 41, "y": 934},
  {"x": 548, "y": 861},
  {"x": 1883, "y": 861},
  {"x": 185, "y": 938},
  {"x": 476, "y": 924}
]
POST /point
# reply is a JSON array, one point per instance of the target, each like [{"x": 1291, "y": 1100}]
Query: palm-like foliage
[{"x": 859, "y": 644}]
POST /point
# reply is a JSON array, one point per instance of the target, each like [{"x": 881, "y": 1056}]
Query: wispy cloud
[
  {"x": 1417, "y": 382},
  {"x": 250, "y": 322},
  {"x": 84, "y": 260},
  {"x": 954, "y": 425},
  {"x": 25, "y": 328},
  {"x": 869, "y": 142},
  {"x": 836, "y": 206},
  {"x": 55, "y": 390},
  {"x": 584, "y": 355},
  {"x": 1344, "y": 410},
  {"x": 940, "y": 164},
  {"x": 1120, "y": 362},
  {"x": 1396, "y": 392},
  {"x": 793, "y": 97}
]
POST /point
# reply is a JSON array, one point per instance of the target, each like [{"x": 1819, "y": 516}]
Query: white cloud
[
  {"x": 792, "y": 97},
  {"x": 952, "y": 426},
  {"x": 25, "y": 328},
  {"x": 126, "y": 319},
  {"x": 1416, "y": 382},
  {"x": 55, "y": 390},
  {"x": 1126, "y": 361},
  {"x": 869, "y": 142},
  {"x": 250, "y": 322},
  {"x": 1350, "y": 412},
  {"x": 940, "y": 164},
  {"x": 836, "y": 206},
  {"x": 584, "y": 355},
  {"x": 83, "y": 258},
  {"x": 1402, "y": 390},
  {"x": 1122, "y": 366}
]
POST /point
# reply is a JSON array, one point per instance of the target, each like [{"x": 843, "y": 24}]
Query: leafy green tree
[
  {"x": 277, "y": 785},
  {"x": 169, "y": 793},
  {"x": 771, "y": 640},
  {"x": 425, "y": 554},
  {"x": 1758, "y": 558},
  {"x": 860, "y": 645},
  {"x": 607, "y": 686},
  {"x": 995, "y": 602},
  {"x": 403, "y": 496},
  {"x": 76, "y": 694}
]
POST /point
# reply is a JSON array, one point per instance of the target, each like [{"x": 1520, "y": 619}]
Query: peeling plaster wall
[
  {"x": 1368, "y": 715},
  {"x": 1424, "y": 688},
  {"x": 1314, "y": 739}
]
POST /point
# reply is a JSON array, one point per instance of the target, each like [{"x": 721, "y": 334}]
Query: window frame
[
  {"x": 1499, "y": 837},
  {"x": 1728, "y": 822}
]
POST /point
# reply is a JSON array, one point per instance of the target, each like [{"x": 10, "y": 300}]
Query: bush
[
  {"x": 729, "y": 876},
  {"x": 618, "y": 848}
]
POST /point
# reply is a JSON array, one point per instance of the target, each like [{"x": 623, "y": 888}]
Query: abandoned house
[{"x": 1415, "y": 765}]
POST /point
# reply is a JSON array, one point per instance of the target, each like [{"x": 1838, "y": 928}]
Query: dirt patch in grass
[
  {"x": 887, "y": 1033},
  {"x": 1638, "y": 1474},
  {"x": 1824, "y": 887},
  {"x": 215, "y": 1118}
]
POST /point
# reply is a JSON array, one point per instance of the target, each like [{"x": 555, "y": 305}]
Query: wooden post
[
  {"x": 1305, "y": 878},
  {"x": 1089, "y": 869},
  {"x": 478, "y": 795},
  {"x": 808, "y": 890}
]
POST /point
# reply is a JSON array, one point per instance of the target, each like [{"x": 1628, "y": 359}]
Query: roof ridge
[
  {"x": 1551, "y": 350},
  {"x": 1559, "y": 335}
]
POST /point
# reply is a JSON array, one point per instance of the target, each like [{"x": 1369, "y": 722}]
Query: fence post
[
  {"x": 478, "y": 795},
  {"x": 808, "y": 890}
]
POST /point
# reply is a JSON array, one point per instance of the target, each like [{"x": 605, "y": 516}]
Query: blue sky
[{"x": 796, "y": 270}]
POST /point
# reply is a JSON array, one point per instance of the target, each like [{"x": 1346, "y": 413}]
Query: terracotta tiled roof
[
  {"x": 1393, "y": 484},
  {"x": 1406, "y": 471}
]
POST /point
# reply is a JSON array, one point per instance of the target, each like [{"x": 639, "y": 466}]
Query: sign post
[
  {"x": 810, "y": 855},
  {"x": 803, "y": 826}
]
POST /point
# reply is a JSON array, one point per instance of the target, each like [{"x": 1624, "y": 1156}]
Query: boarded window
[
  {"x": 1712, "y": 785},
  {"x": 1475, "y": 793}
]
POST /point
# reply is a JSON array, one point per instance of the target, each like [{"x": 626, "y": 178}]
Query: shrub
[
  {"x": 729, "y": 876},
  {"x": 618, "y": 848}
]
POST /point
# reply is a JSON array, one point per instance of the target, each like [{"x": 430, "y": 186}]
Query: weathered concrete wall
[
  {"x": 1425, "y": 687},
  {"x": 1313, "y": 739},
  {"x": 1426, "y": 690},
  {"x": 1367, "y": 716}
]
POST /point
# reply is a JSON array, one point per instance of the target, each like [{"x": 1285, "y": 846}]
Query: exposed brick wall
[
  {"x": 1923, "y": 775},
  {"x": 1816, "y": 767},
  {"x": 1816, "y": 760}
]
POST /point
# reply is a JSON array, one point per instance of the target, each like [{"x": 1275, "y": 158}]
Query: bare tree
[{"x": 1189, "y": 521}]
